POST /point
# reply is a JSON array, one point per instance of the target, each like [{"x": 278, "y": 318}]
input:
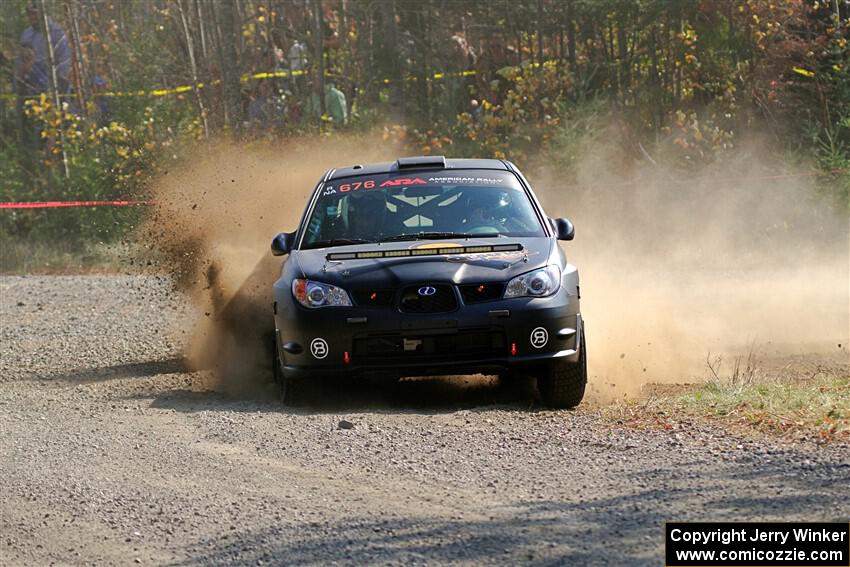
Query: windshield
[{"x": 409, "y": 206}]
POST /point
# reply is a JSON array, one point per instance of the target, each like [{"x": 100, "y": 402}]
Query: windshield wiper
[
  {"x": 437, "y": 236},
  {"x": 336, "y": 242}
]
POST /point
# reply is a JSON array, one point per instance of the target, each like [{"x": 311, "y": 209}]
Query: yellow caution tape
[
  {"x": 804, "y": 72},
  {"x": 245, "y": 78}
]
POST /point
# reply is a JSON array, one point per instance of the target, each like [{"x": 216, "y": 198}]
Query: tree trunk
[
  {"x": 540, "y": 31},
  {"x": 392, "y": 67},
  {"x": 53, "y": 81},
  {"x": 346, "y": 56},
  {"x": 429, "y": 62},
  {"x": 202, "y": 31},
  {"x": 623, "y": 55},
  {"x": 231, "y": 87},
  {"x": 571, "y": 34},
  {"x": 320, "y": 56},
  {"x": 655, "y": 83},
  {"x": 193, "y": 67},
  {"x": 76, "y": 53}
]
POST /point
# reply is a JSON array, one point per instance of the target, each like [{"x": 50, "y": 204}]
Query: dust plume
[
  {"x": 732, "y": 256},
  {"x": 212, "y": 227},
  {"x": 672, "y": 268}
]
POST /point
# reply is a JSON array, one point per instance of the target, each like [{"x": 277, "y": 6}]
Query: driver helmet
[
  {"x": 490, "y": 203},
  {"x": 366, "y": 212}
]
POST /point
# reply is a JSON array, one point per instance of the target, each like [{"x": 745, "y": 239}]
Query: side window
[
  {"x": 322, "y": 222},
  {"x": 314, "y": 227}
]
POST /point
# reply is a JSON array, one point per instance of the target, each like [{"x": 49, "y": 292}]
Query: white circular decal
[
  {"x": 319, "y": 348},
  {"x": 539, "y": 337}
]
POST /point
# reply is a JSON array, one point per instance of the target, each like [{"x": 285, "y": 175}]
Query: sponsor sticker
[
  {"x": 403, "y": 181},
  {"x": 432, "y": 245},
  {"x": 466, "y": 180},
  {"x": 319, "y": 348},
  {"x": 410, "y": 181},
  {"x": 539, "y": 337}
]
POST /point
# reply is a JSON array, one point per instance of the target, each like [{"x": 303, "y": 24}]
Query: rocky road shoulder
[{"x": 111, "y": 453}]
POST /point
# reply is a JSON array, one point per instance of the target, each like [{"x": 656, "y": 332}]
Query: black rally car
[{"x": 428, "y": 266}]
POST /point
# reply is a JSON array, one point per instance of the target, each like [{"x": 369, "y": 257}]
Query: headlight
[
  {"x": 314, "y": 294},
  {"x": 538, "y": 283}
]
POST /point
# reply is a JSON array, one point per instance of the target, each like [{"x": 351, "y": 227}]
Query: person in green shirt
[{"x": 335, "y": 105}]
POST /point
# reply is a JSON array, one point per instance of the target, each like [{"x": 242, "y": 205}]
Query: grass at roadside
[
  {"x": 816, "y": 408},
  {"x": 38, "y": 257}
]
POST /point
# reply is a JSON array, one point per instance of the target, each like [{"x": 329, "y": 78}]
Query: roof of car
[{"x": 412, "y": 164}]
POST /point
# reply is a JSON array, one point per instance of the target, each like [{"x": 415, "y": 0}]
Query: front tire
[
  {"x": 563, "y": 383},
  {"x": 289, "y": 391}
]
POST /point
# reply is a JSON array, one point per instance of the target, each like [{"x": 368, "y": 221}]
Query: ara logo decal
[
  {"x": 403, "y": 181},
  {"x": 329, "y": 191},
  {"x": 427, "y": 290},
  {"x": 539, "y": 337},
  {"x": 319, "y": 348}
]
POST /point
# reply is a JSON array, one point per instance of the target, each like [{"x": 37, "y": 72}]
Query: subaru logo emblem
[{"x": 427, "y": 290}]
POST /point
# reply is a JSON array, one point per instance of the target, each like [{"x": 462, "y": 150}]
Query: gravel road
[{"x": 111, "y": 453}]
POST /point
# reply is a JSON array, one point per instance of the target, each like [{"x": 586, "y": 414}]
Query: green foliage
[
  {"x": 522, "y": 122},
  {"x": 821, "y": 406},
  {"x": 817, "y": 408},
  {"x": 833, "y": 158},
  {"x": 106, "y": 162},
  {"x": 683, "y": 79}
]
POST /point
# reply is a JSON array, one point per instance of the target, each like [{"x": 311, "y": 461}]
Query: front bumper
[{"x": 488, "y": 338}]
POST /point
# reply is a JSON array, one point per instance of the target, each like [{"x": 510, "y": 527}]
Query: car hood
[{"x": 455, "y": 268}]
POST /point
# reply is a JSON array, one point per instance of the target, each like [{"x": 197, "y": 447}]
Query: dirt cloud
[
  {"x": 672, "y": 268},
  {"x": 731, "y": 257},
  {"x": 213, "y": 224}
]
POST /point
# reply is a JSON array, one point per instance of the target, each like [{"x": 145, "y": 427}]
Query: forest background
[{"x": 678, "y": 84}]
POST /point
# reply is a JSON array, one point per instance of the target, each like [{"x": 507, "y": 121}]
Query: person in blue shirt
[{"x": 33, "y": 38}]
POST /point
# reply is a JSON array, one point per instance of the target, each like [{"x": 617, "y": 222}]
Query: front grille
[
  {"x": 475, "y": 293},
  {"x": 373, "y": 297},
  {"x": 466, "y": 344},
  {"x": 441, "y": 301}
]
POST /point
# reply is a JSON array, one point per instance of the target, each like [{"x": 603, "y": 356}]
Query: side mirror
[
  {"x": 282, "y": 243},
  {"x": 564, "y": 229}
]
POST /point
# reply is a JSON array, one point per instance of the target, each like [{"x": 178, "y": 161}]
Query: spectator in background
[
  {"x": 336, "y": 105},
  {"x": 101, "y": 112},
  {"x": 104, "y": 113},
  {"x": 461, "y": 55},
  {"x": 495, "y": 57},
  {"x": 265, "y": 110},
  {"x": 27, "y": 83},
  {"x": 296, "y": 59},
  {"x": 297, "y": 56},
  {"x": 33, "y": 37},
  {"x": 458, "y": 57}
]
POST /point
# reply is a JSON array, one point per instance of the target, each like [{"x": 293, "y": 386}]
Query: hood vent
[{"x": 419, "y": 162}]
